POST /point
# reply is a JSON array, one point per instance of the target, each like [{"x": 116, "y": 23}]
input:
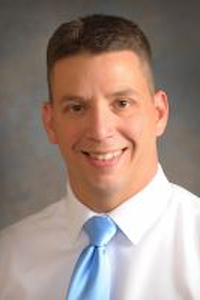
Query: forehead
[
  {"x": 103, "y": 70},
  {"x": 77, "y": 64}
]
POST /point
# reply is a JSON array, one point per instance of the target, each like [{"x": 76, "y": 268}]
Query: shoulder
[
  {"x": 186, "y": 207},
  {"x": 34, "y": 239},
  {"x": 185, "y": 198},
  {"x": 25, "y": 232}
]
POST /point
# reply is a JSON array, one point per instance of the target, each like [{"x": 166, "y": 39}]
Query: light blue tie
[{"x": 91, "y": 277}]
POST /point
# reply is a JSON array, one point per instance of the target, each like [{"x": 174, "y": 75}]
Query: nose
[{"x": 101, "y": 123}]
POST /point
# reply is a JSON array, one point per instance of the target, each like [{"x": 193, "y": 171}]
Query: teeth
[{"x": 105, "y": 156}]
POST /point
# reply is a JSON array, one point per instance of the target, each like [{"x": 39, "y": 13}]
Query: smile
[{"x": 106, "y": 156}]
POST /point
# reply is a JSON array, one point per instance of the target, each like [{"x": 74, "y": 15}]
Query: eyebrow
[
  {"x": 120, "y": 93},
  {"x": 124, "y": 92},
  {"x": 69, "y": 98}
]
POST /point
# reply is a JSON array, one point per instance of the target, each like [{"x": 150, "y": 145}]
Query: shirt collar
[
  {"x": 139, "y": 214},
  {"x": 135, "y": 217},
  {"x": 77, "y": 214}
]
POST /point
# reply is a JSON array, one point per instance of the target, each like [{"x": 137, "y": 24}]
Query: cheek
[
  {"x": 134, "y": 127},
  {"x": 140, "y": 127},
  {"x": 67, "y": 135}
]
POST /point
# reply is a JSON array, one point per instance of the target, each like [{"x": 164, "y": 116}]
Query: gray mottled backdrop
[{"x": 31, "y": 171}]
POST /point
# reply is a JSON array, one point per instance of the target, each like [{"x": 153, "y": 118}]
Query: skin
[{"x": 106, "y": 120}]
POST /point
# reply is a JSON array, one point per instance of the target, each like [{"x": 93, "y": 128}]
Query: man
[{"x": 105, "y": 115}]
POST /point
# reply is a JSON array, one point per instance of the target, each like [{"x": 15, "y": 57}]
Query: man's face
[{"x": 106, "y": 120}]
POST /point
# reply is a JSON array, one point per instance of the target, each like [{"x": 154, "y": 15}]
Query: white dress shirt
[{"x": 154, "y": 256}]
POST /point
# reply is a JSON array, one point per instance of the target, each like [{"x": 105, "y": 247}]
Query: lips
[{"x": 104, "y": 156}]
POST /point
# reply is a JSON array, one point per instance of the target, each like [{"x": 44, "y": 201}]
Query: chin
[{"x": 106, "y": 188}]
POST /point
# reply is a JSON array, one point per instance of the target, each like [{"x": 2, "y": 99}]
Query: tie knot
[{"x": 100, "y": 229}]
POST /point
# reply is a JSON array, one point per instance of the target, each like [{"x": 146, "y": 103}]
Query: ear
[
  {"x": 49, "y": 122},
  {"x": 162, "y": 111}
]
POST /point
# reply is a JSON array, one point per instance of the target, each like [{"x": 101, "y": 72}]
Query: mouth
[{"x": 107, "y": 156}]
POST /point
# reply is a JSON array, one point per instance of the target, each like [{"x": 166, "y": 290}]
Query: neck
[{"x": 104, "y": 200}]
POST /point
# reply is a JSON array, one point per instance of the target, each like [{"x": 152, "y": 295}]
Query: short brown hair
[{"x": 96, "y": 34}]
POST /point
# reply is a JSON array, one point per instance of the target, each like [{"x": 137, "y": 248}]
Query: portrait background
[{"x": 32, "y": 174}]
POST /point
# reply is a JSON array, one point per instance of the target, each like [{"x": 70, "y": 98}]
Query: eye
[
  {"x": 75, "y": 107},
  {"x": 123, "y": 103}
]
